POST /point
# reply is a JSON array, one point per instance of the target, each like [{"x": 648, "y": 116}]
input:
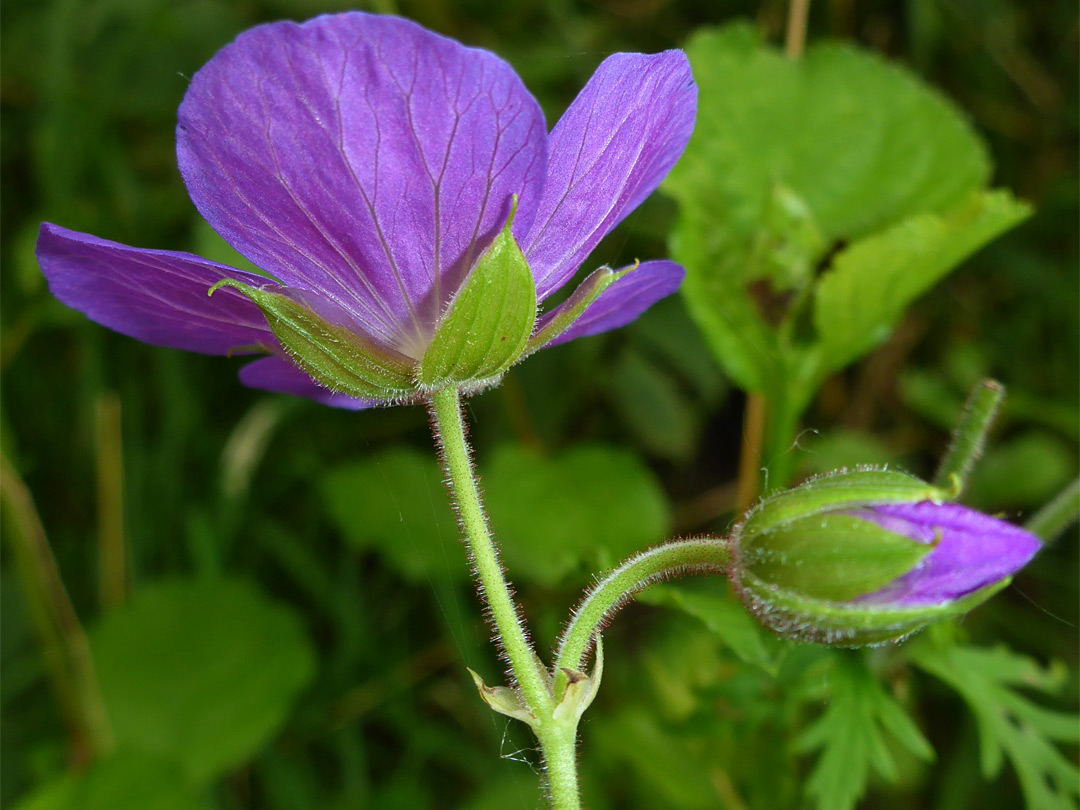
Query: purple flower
[
  {"x": 366, "y": 164},
  {"x": 870, "y": 556}
]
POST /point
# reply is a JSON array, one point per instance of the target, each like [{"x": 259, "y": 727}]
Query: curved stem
[
  {"x": 695, "y": 556},
  {"x": 449, "y": 429}
]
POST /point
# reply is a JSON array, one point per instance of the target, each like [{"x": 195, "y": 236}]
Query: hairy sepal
[
  {"x": 800, "y": 618},
  {"x": 566, "y": 314},
  {"x": 334, "y": 355},
  {"x": 487, "y": 325}
]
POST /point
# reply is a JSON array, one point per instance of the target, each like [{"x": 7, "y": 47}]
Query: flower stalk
[
  {"x": 700, "y": 555},
  {"x": 449, "y": 429},
  {"x": 556, "y": 732}
]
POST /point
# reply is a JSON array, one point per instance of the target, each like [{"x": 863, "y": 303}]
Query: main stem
[
  {"x": 557, "y": 739},
  {"x": 449, "y": 430}
]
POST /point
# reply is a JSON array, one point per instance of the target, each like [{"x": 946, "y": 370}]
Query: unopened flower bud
[{"x": 864, "y": 557}]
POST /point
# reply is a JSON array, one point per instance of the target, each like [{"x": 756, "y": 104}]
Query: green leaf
[
  {"x": 1023, "y": 472},
  {"x": 593, "y": 504},
  {"x": 651, "y": 404},
  {"x": 660, "y": 765},
  {"x": 202, "y": 673},
  {"x": 826, "y": 150},
  {"x": 487, "y": 325},
  {"x": 861, "y": 142},
  {"x": 872, "y": 282},
  {"x": 395, "y": 503},
  {"x": 851, "y": 736},
  {"x": 727, "y": 618},
  {"x": 124, "y": 781},
  {"x": 1011, "y": 725}
]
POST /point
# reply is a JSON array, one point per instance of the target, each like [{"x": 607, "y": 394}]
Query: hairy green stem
[
  {"x": 449, "y": 430},
  {"x": 969, "y": 437},
  {"x": 678, "y": 558},
  {"x": 557, "y": 735},
  {"x": 1058, "y": 515}
]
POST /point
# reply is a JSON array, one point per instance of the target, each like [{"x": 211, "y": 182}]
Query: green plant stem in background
[
  {"x": 557, "y": 735},
  {"x": 750, "y": 455},
  {"x": 1058, "y": 515},
  {"x": 112, "y": 564},
  {"x": 795, "y": 36},
  {"x": 698, "y": 555},
  {"x": 969, "y": 437},
  {"x": 63, "y": 642}
]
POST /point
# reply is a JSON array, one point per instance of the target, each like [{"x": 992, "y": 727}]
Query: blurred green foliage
[{"x": 298, "y": 565}]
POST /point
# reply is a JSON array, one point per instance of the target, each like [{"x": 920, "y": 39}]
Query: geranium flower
[{"x": 368, "y": 166}]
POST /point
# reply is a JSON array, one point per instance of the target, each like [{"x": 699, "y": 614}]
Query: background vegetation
[{"x": 273, "y": 592}]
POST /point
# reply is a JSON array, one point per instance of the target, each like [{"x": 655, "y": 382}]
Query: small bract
[
  {"x": 404, "y": 198},
  {"x": 864, "y": 557}
]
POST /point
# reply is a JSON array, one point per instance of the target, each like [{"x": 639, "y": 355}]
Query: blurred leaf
[
  {"x": 863, "y": 143},
  {"x": 835, "y": 449},
  {"x": 873, "y": 281},
  {"x": 124, "y": 781},
  {"x": 1010, "y": 725},
  {"x": 650, "y": 403},
  {"x": 203, "y": 673},
  {"x": 728, "y": 619},
  {"x": 1022, "y": 472},
  {"x": 659, "y": 768},
  {"x": 395, "y": 503},
  {"x": 851, "y": 735},
  {"x": 594, "y": 504},
  {"x": 838, "y": 147}
]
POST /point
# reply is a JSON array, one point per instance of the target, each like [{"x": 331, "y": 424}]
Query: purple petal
[
  {"x": 623, "y": 301},
  {"x": 363, "y": 157},
  {"x": 283, "y": 377},
  {"x": 155, "y": 296},
  {"x": 609, "y": 151},
  {"x": 975, "y": 550}
]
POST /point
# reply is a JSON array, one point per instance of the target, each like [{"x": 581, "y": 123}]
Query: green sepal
[
  {"x": 850, "y": 624},
  {"x": 486, "y": 327},
  {"x": 503, "y": 700},
  {"x": 832, "y": 557},
  {"x": 337, "y": 357},
  {"x": 574, "y": 307},
  {"x": 837, "y": 491},
  {"x": 581, "y": 689}
]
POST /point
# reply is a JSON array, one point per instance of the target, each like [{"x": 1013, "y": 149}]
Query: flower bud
[{"x": 865, "y": 557}]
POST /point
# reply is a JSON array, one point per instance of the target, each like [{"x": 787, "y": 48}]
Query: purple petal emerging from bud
[{"x": 971, "y": 551}]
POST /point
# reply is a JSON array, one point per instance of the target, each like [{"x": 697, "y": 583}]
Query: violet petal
[
  {"x": 624, "y": 300},
  {"x": 156, "y": 296},
  {"x": 975, "y": 550},
  {"x": 283, "y": 377},
  {"x": 361, "y": 156},
  {"x": 610, "y": 150}
]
